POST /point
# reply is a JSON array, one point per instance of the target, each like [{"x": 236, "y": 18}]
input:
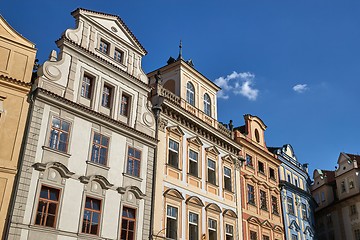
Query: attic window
[
  {"x": 104, "y": 46},
  {"x": 257, "y": 136}
]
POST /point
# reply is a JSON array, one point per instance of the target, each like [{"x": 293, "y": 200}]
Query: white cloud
[
  {"x": 300, "y": 88},
  {"x": 237, "y": 83}
]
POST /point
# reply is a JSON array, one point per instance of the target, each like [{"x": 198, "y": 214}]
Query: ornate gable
[
  {"x": 195, "y": 140},
  {"x": 195, "y": 201},
  {"x": 294, "y": 225},
  {"x": 174, "y": 193},
  {"x": 213, "y": 150},
  {"x": 213, "y": 207},
  {"x": 176, "y": 130}
]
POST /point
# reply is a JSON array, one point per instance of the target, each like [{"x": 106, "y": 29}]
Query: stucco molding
[
  {"x": 176, "y": 130},
  {"x": 213, "y": 150},
  {"x": 104, "y": 183},
  {"x": 195, "y": 140},
  {"x": 172, "y": 192},
  {"x": 254, "y": 220},
  {"x": 195, "y": 201},
  {"x": 59, "y": 167},
  {"x": 230, "y": 213},
  {"x": 213, "y": 207},
  {"x": 133, "y": 189}
]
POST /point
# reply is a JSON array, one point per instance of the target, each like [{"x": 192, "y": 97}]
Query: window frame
[
  {"x": 210, "y": 169},
  {"x": 261, "y": 167},
  {"x": 274, "y": 205},
  {"x": 190, "y": 93},
  {"x": 263, "y": 200},
  {"x": 207, "y": 105},
  {"x": 101, "y": 47},
  {"x": 229, "y": 233},
  {"x": 59, "y": 129},
  {"x": 251, "y": 198},
  {"x": 290, "y": 205},
  {"x": 174, "y": 151},
  {"x": 107, "y": 95},
  {"x": 87, "y": 92},
  {"x": 210, "y": 228},
  {"x": 125, "y": 106},
  {"x": 95, "y": 211},
  {"x": 176, "y": 219},
  {"x": 195, "y": 163},
  {"x": 196, "y": 237},
  {"x": 227, "y": 181},
  {"x": 100, "y": 147},
  {"x": 48, "y": 201},
  {"x": 253, "y": 235},
  {"x": 129, "y": 220},
  {"x": 133, "y": 159},
  {"x": 249, "y": 161},
  {"x": 116, "y": 55},
  {"x": 304, "y": 211},
  {"x": 272, "y": 174}
]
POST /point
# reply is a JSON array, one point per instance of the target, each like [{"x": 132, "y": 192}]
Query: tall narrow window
[
  {"x": 193, "y": 226},
  {"x": 251, "y": 194},
  {"x": 227, "y": 179},
  {"x": 99, "y": 149},
  {"x": 261, "y": 167},
  {"x": 125, "y": 105},
  {"x": 294, "y": 237},
  {"x": 106, "y": 96},
  {"x": 343, "y": 187},
  {"x": 304, "y": 211},
  {"x": 265, "y": 237},
  {"x": 59, "y": 134},
  {"x": 173, "y": 153},
  {"x": 171, "y": 222},
  {"x": 212, "y": 229},
  {"x": 207, "y": 105},
  {"x": 86, "y": 86},
  {"x": 253, "y": 235},
  {"x": 229, "y": 232},
  {"x": 211, "y": 171},
  {"x": 322, "y": 196},
  {"x": 104, "y": 47},
  {"x": 118, "y": 55},
  {"x": 190, "y": 93},
  {"x": 193, "y": 163},
  {"x": 249, "y": 161},
  {"x": 353, "y": 210},
  {"x": 357, "y": 234},
  {"x": 47, "y": 207},
  {"x": 274, "y": 205},
  {"x": 272, "y": 174},
  {"x": 92, "y": 214},
  {"x": 128, "y": 221},
  {"x": 133, "y": 162},
  {"x": 263, "y": 200},
  {"x": 290, "y": 205}
]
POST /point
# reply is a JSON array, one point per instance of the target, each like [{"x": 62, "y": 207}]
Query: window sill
[
  {"x": 90, "y": 236},
  {"x": 97, "y": 165},
  {"x": 264, "y": 209},
  {"x": 252, "y": 204},
  {"x": 228, "y": 191},
  {"x": 45, "y": 148},
  {"x": 173, "y": 167},
  {"x": 276, "y": 214},
  {"x": 250, "y": 166},
  {"x": 213, "y": 184},
  {"x": 132, "y": 177},
  {"x": 272, "y": 179},
  {"x": 262, "y": 173},
  {"x": 109, "y": 58},
  {"x": 194, "y": 176}
]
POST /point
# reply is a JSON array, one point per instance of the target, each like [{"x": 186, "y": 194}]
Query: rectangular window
[
  {"x": 133, "y": 162},
  {"x": 104, "y": 47},
  {"x": 128, "y": 221},
  {"x": 47, "y": 207},
  {"x": 322, "y": 196},
  {"x": 351, "y": 183},
  {"x": 290, "y": 205},
  {"x": 274, "y": 205},
  {"x": 263, "y": 200},
  {"x": 253, "y": 235},
  {"x": 265, "y": 237},
  {"x": 118, "y": 55},
  {"x": 353, "y": 210},
  {"x": 249, "y": 161},
  {"x": 125, "y": 105},
  {"x": 251, "y": 194},
  {"x": 193, "y": 163},
  {"x": 171, "y": 222},
  {"x": 261, "y": 167},
  {"x": 59, "y": 134},
  {"x": 106, "y": 96},
  {"x": 328, "y": 219},
  {"x": 357, "y": 234},
  {"x": 173, "y": 153},
  {"x": 227, "y": 179},
  {"x": 99, "y": 149},
  {"x": 92, "y": 215},
  {"x": 212, "y": 229},
  {"x": 343, "y": 187},
  {"x": 211, "y": 171},
  {"x": 272, "y": 173},
  {"x": 229, "y": 232},
  {"x": 193, "y": 226},
  {"x": 296, "y": 182},
  {"x": 86, "y": 86},
  {"x": 294, "y": 237},
  {"x": 304, "y": 211}
]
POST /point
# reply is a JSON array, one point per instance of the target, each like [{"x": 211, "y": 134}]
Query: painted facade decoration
[
  {"x": 197, "y": 169},
  {"x": 87, "y": 165},
  {"x": 259, "y": 183},
  {"x": 17, "y": 56},
  {"x": 297, "y": 203}
]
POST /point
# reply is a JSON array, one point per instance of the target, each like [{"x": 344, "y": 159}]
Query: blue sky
[{"x": 260, "y": 52}]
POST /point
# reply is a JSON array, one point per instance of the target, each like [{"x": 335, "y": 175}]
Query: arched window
[
  {"x": 190, "y": 93},
  {"x": 207, "y": 105}
]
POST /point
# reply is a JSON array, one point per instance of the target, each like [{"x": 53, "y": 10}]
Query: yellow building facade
[{"x": 17, "y": 56}]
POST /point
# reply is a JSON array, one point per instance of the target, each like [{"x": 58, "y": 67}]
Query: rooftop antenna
[{"x": 180, "y": 51}]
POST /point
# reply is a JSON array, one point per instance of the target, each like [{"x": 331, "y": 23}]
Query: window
[
  {"x": 173, "y": 153},
  {"x": 263, "y": 200},
  {"x": 296, "y": 182},
  {"x": 86, "y": 86},
  {"x": 212, "y": 229},
  {"x": 249, "y": 161},
  {"x": 272, "y": 173},
  {"x": 193, "y": 163},
  {"x": 193, "y": 226},
  {"x": 290, "y": 205},
  {"x": 328, "y": 219},
  {"x": 118, "y": 55},
  {"x": 104, "y": 47},
  {"x": 59, "y": 134},
  {"x": 207, "y": 105},
  {"x": 227, "y": 179},
  {"x": 211, "y": 171},
  {"x": 351, "y": 183},
  {"x": 128, "y": 221},
  {"x": 251, "y": 194},
  {"x": 92, "y": 214},
  {"x": 229, "y": 232},
  {"x": 289, "y": 178},
  {"x": 125, "y": 105},
  {"x": 343, "y": 187},
  {"x": 106, "y": 96},
  {"x": 257, "y": 136},
  {"x": 353, "y": 210},
  {"x": 261, "y": 167},
  {"x": 99, "y": 149},
  {"x": 190, "y": 93},
  {"x": 357, "y": 234},
  {"x": 317, "y": 199},
  {"x": 253, "y": 235},
  {"x": 133, "y": 162},
  {"x": 264, "y": 237},
  {"x": 274, "y": 205},
  {"x": 294, "y": 237},
  {"x": 322, "y": 196},
  {"x": 304, "y": 211},
  {"x": 171, "y": 222},
  {"x": 47, "y": 207}
]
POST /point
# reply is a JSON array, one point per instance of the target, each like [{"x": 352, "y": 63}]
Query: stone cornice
[
  {"x": 297, "y": 190},
  {"x": 18, "y": 84}
]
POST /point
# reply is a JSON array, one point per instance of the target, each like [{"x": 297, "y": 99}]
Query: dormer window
[
  {"x": 118, "y": 55},
  {"x": 104, "y": 47},
  {"x": 190, "y": 93},
  {"x": 207, "y": 105}
]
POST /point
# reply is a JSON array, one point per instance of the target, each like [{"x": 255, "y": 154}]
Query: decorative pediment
[
  {"x": 59, "y": 167},
  {"x": 278, "y": 229},
  {"x": 229, "y": 213},
  {"x": 133, "y": 189},
  {"x": 104, "y": 183},
  {"x": 251, "y": 178},
  {"x": 253, "y": 219},
  {"x": 266, "y": 224},
  {"x": 195, "y": 201},
  {"x": 294, "y": 225},
  {"x": 176, "y": 130},
  {"x": 229, "y": 158},
  {"x": 213, "y": 150},
  {"x": 172, "y": 192},
  {"x": 213, "y": 207},
  {"x": 309, "y": 231},
  {"x": 195, "y": 140}
]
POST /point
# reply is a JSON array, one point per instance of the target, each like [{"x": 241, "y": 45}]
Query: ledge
[
  {"x": 46, "y": 148},
  {"x": 97, "y": 165}
]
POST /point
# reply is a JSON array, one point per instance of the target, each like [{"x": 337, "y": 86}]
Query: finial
[{"x": 180, "y": 51}]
